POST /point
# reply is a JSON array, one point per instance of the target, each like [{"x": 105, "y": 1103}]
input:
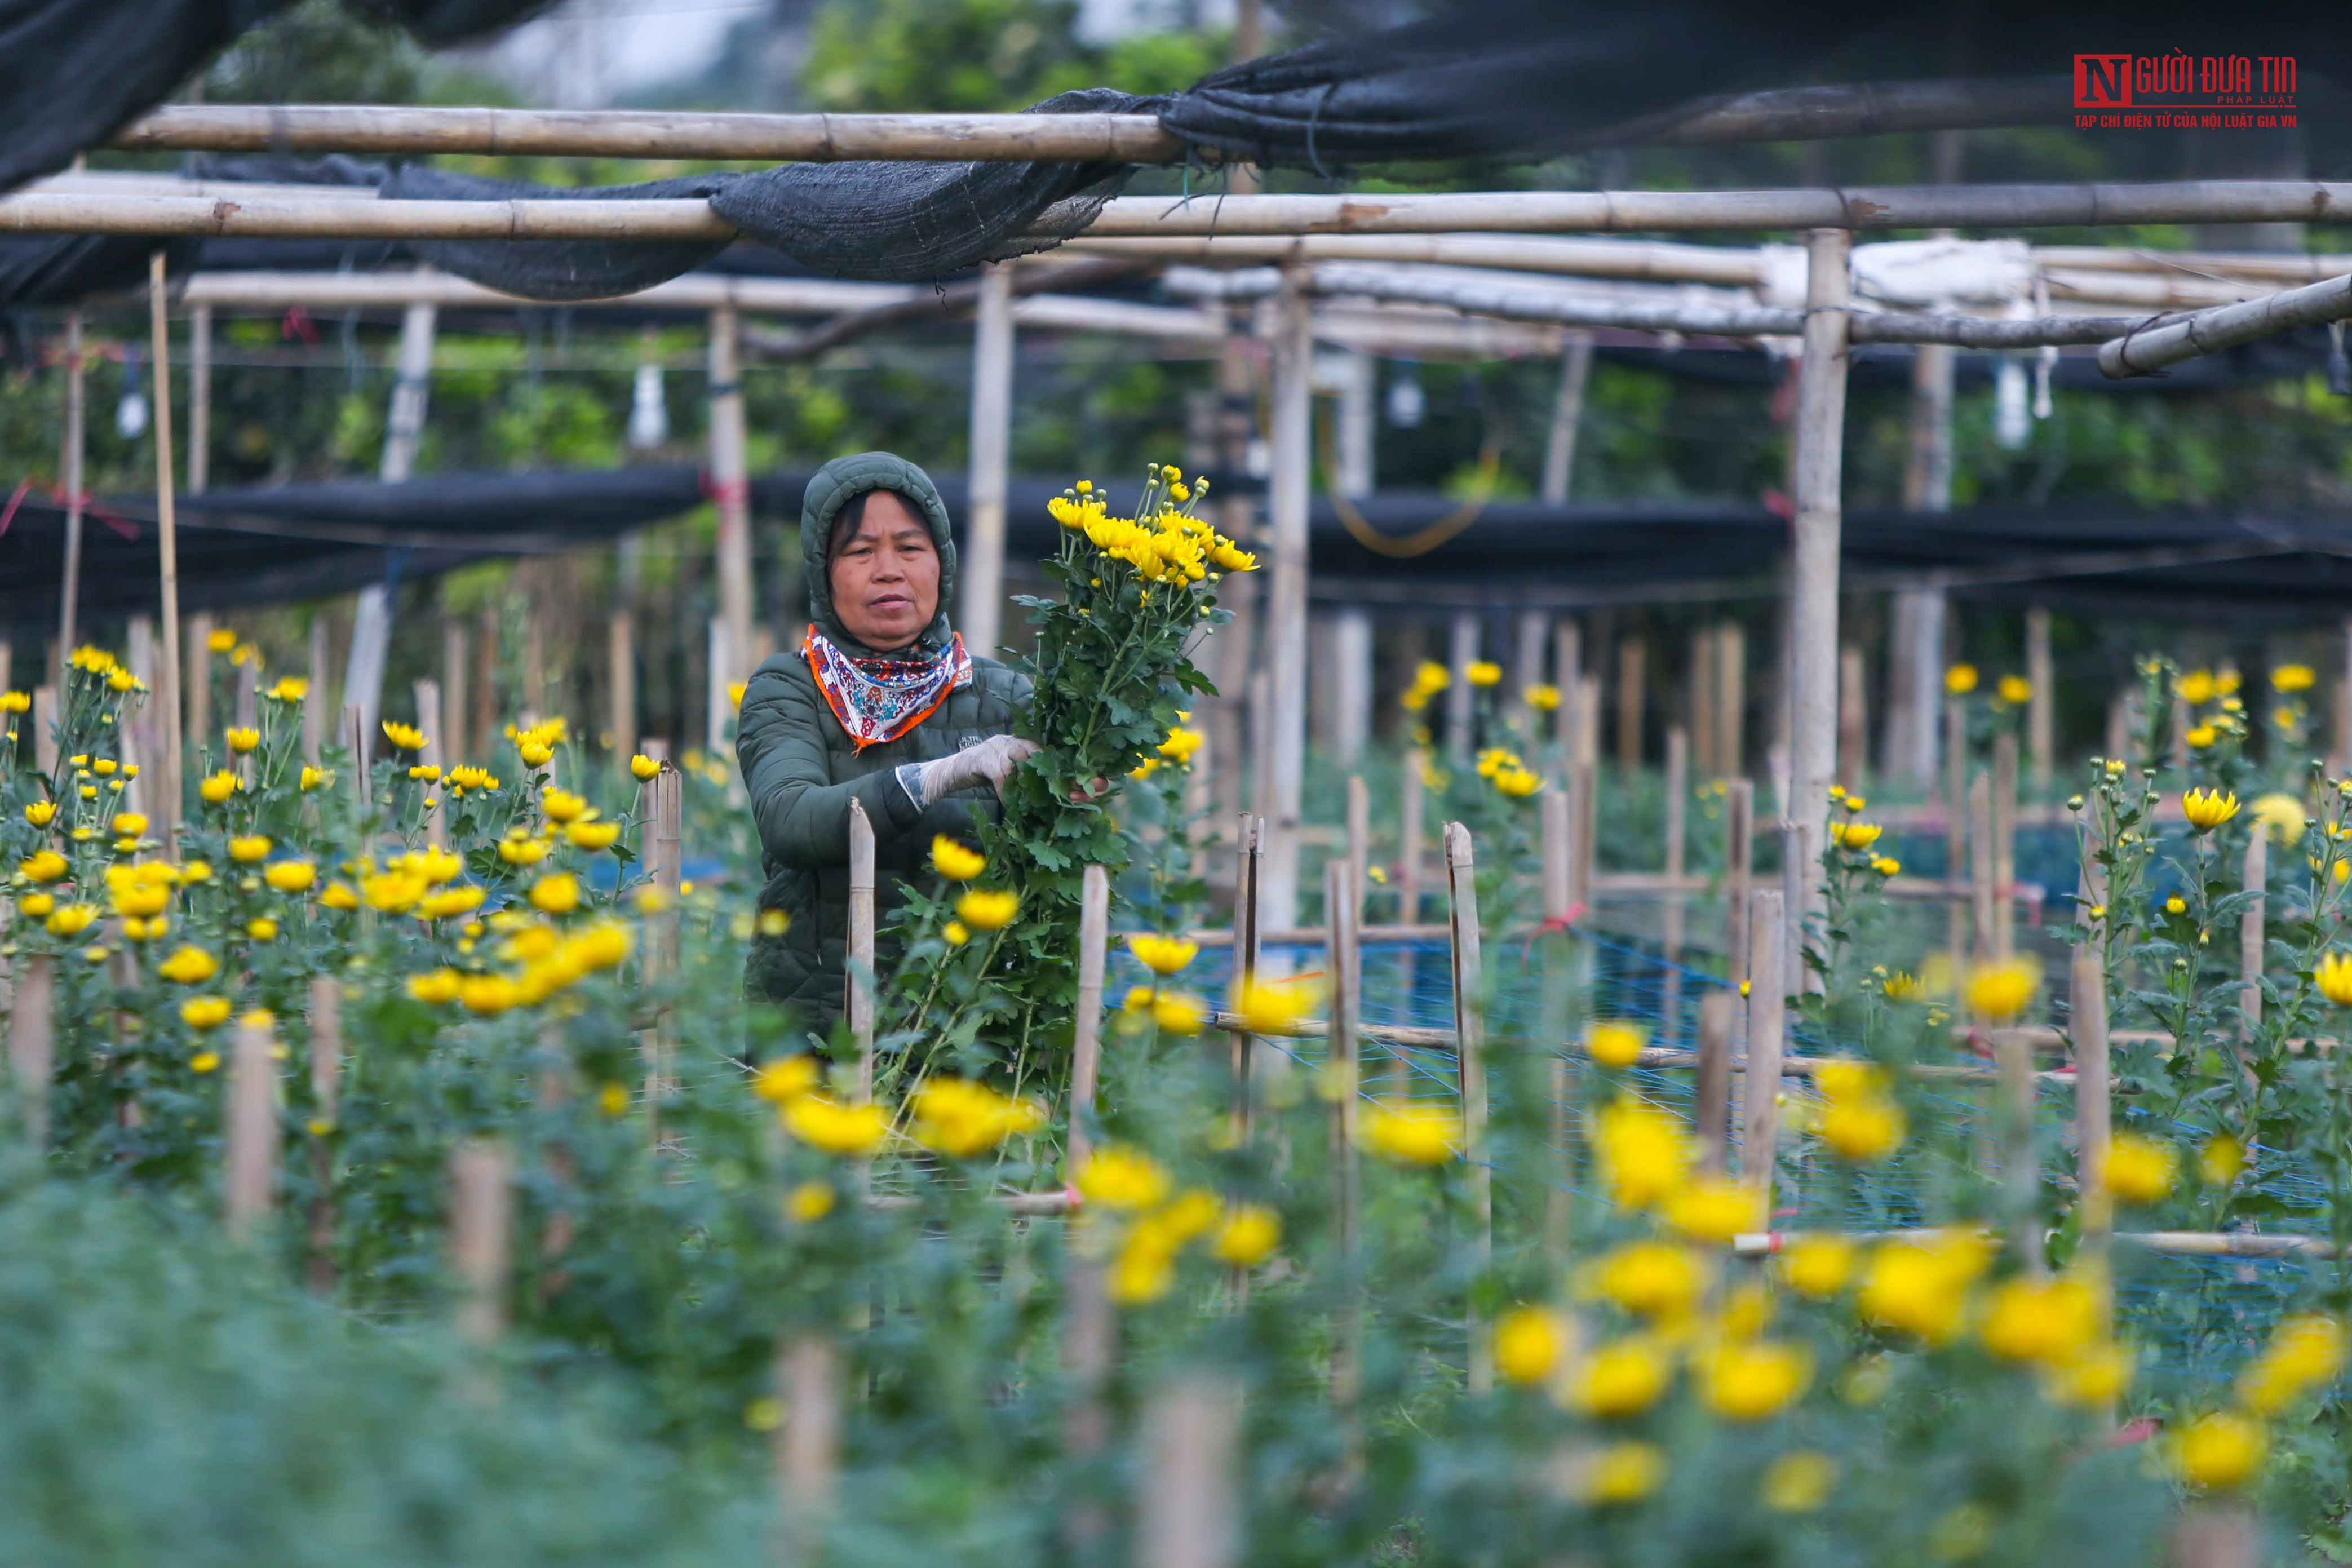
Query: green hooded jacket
[{"x": 800, "y": 768}]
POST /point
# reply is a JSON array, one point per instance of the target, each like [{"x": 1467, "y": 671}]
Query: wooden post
[
  {"x": 1767, "y": 1002},
  {"x": 1085, "y": 1040},
  {"x": 1409, "y": 832},
  {"x": 1853, "y": 718},
  {"x": 982, "y": 610},
  {"x": 1820, "y": 442},
  {"x": 665, "y": 807},
  {"x": 1586, "y": 751},
  {"x": 1738, "y": 871},
  {"x": 197, "y": 663},
  {"x": 2004, "y": 844},
  {"x": 1567, "y": 411},
  {"x": 45, "y": 730},
  {"x": 360, "y": 743},
  {"x": 1469, "y": 1004},
  {"x": 457, "y": 732},
  {"x": 2250, "y": 929},
  {"x": 2041, "y": 705},
  {"x": 731, "y": 480},
  {"x": 2020, "y": 1167},
  {"x": 1556, "y": 824},
  {"x": 437, "y": 749},
  {"x": 1530, "y": 629},
  {"x": 252, "y": 1130},
  {"x": 1286, "y": 644},
  {"x": 326, "y": 1078},
  {"x": 715, "y": 665},
  {"x": 861, "y": 944},
  {"x": 1552, "y": 815},
  {"x": 2216, "y": 1535},
  {"x": 1632, "y": 697},
  {"x": 1344, "y": 1052},
  {"x": 808, "y": 1442},
  {"x": 167, "y": 536},
  {"x": 2093, "y": 1091},
  {"x": 315, "y": 701},
  {"x": 32, "y": 1050},
  {"x": 1351, "y": 683},
  {"x": 621, "y": 677},
  {"x": 1704, "y": 660},
  {"x": 1731, "y": 701},
  {"x": 1584, "y": 807},
  {"x": 1714, "y": 1080},
  {"x": 1189, "y": 1515},
  {"x": 200, "y": 398},
  {"x": 1344, "y": 958},
  {"x": 1677, "y": 830},
  {"x": 1956, "y": 813},
  {"x": 481, "y": 1182},
  {"x": 70, "y": 595}
]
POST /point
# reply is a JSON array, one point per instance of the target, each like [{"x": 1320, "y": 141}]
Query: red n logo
[{"x": 2103, "y": 81}]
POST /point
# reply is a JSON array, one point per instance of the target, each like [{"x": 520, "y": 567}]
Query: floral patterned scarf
[{"x": 879, "y": 700}]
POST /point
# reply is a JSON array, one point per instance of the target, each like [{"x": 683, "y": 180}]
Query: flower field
[{"x": 396, "y": 1172}]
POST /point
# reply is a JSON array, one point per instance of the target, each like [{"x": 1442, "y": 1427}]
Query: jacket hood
[{"x": 834, "y": 486}]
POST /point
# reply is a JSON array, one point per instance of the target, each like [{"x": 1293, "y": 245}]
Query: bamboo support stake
[
  {"x": 1800, "y": 874},
  {"x": 861, "y": 944},
  {"x": 1344, "y": 1053},
  {"x": 1982, "y": 900},
  {"x": 200, "y": 398},
  {"x": 730, "y": 477},
  {"x": 32, "y": 1049},
  {"x": 2022, "y": 1167},
  {"x": 1584, "y": 805},
  {"x": 355, "y": 738},
  {"x": 1461, "y": 698},
  {"x": 1557, "y": 828},
  {"x": 983, "y": 562},
  {"x": 1360, "y": 832},
  {"x": 167, "y": 536},
  {"x": 1247, "y": 867},
  {"x": 621, "y": 677},
  {"x": 1285, "y": 647},
  {"x": 437, "y": 749},
  {"x": 1714, "y": 1080},
  {"x": 1767, "y": 1002},
  {"x": 1089, "y": 1347},
  {"x": 1703, "y": 671},
  {"x": 2094, "y": 1108},
  {"x": 1557, "y": 911},
  {"x": 252, "y": 1131},
  {"x": 1731, "y": 700},
  {"x": 808, "y": 1441},
  {"x": 2251, "y": 932},
  {"x": 1956, "y": 813},
  {"x": 1678, "y": 829},
  {"x": 45, "y": 730},
  {"x": 1820, "y": 442},
  {"x": 1410, "y": 809},
  {"x": 2216, "y": 1535},
  {"x": 455, "y": 732},
  {"x": 1085, "y": 1041},
  {"x": 1738, "y": 871},
  {"x": 1189, "y": 1516},
  {"x": 481, "y": 1182},
  {"x": 70, "y": 595},
  {"x": 1567, "y": 412},
  {"x": 1587, "y": 721},
  {"x": 1854, "y": 717},
  {"x": 2004, "y": 845},
  {"x": 2041, "y": 703},
  {"x": 314, "y": 700},
  {"x": 326, "y": 1074},
  {"x": 1568, "y": 675},
  {"x": 1469, "y": 1002},
  {"x": 1632, "y": 698}
]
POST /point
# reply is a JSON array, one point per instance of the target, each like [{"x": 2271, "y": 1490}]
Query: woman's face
[{"x": 885, "y": 575}]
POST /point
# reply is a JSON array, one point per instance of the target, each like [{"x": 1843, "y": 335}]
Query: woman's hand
[{"x": 991, "y": 761}]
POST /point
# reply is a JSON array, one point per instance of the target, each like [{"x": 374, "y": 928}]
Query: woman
[{"x": 880, "y": 703}]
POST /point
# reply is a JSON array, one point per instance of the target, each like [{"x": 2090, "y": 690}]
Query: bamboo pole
[
  {"x": 1461, "y": 697},
  {"x": 1190, "y": 1515},
  {"x": 355, "y": 738},
  {"x": 1820, "y": 440},
  {"x": 167, "y": 536},
  {"x": 1351, "y": 684},
  {"x": 2094, "y": 1089},
  {"x": 1584, "y": 805},
  {"x": 32, "y": 1049},
  {"x": 315, "y": 706},
  {"x": 808, "y": 1441},
  {"x": 2147, "y": 352},
  {"x": 983, "y": 562},
  {"x": 199, "y": 663},
  {"x": 1853, "y": 718},
  {"x": 1568, "y": 673},
  {"x": 200, "y": 399},
  {"x": 1559, "y": 912},
  {"x": 620, "y": 670},
  {"x": 1469, "y": 1003},
  {"x": 2249, "y": 931},
  {"x": 665, "y": 797},
  {"x": 1714, "y": 1080},
  {"x": 70, "y": 595},
  {"x": 1704, "y": 660},
  {"x": 326, "y": 1076},
  {"x": 481, "y": 1182},
  {"x": 2041, "y": 706},
  {"x": 1767, "y": 1003},
  {"x": 1556, "y": 830},
  {"x": 1344, "y": 1052},
  {"x": 1085, "y": 1040},
  {"x": 1360, "y": 835},
  {"x": 1731, "y": 699},
  {"x": 730, "y": 477},
  {"x": 861, "y": 944},
  {"x": 251, "y": 1141},
  {"x": 2020, "y": 1165},
  {"x": 1248, "y": 872},
  {"x": 1678, "y": 835},
  {"x": 2212, "y": 1534},
  {"x": 1738, "y": 873},
  {"x": 1567, "y": 413},
  {"x": 1632, "y": 698},
  {"x": 429, "y": 719},
  {"x": 1982, "y": 901},
  {"x": 1956, "y": 813},
  {"x": 1293, "y": 355},
  {"x": 2004, "y": 844}
]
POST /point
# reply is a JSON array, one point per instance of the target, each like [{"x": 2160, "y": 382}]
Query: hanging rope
[{"x": 1490, "y": 462}]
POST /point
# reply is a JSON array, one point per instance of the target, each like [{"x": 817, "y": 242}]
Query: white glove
[{"x": 991, "y": 761}]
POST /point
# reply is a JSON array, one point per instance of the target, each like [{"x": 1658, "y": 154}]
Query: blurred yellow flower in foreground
[
  {"x": 1528, "y": 1342},
  {"x": 2000, "y": 992},
  {"x": 982, "y": 910},
  {"x": 1410, "y": 1133},
  {"x": 850, "y": 1130},
  {"x": 2139, "y": 1169},
  {"x": 1614, "y": 1044},
  {"x": 2220, "y": 1452},
  {"x": 1120, "y": 1176}
]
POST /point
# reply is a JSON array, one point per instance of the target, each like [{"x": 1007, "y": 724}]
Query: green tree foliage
[{"x": 982, "y": 56}]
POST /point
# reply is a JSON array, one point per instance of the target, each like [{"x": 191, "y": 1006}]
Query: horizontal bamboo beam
[
  {"x": 1637, "y": 260},
  {"x": 397, "y": 290},
  {"x": 633, "y": 133},
  {"x": 2147, "y": 351},
  {"x": 1862, "y": 109},
  {"x": 1924, "y": 206}
]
